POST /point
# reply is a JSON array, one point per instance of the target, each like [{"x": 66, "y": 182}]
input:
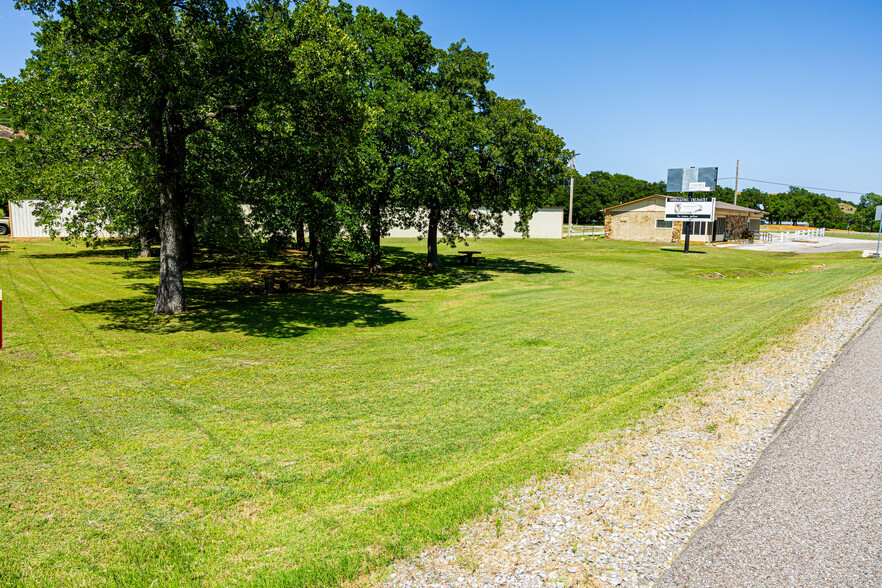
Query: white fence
[
  {"x": 584, "y": 230},
  {"x": 786, "y": 236}
]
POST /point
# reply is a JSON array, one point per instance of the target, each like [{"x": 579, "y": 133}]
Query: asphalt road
[{"x": 810, "y": 512}]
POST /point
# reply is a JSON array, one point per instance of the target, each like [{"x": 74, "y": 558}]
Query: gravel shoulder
[
  {"x": 810, "y": 512},
  {"x": 630, "y": 503}
]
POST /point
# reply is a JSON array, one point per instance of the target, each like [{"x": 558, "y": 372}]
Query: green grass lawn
[
  {"x": 853, "y": 235},
  {"x": 304, "y": 438}
]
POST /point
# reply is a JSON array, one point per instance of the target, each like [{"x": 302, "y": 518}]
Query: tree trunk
[
  {"x": 144, "y": 242},
  {"x": 316, "y": 251},
  {"x": 301, "y": 236},
  {"x": 189, "y": 244},
  {"x": 375, "y": 259},
  {"x": 170, "y": 294},
  {"x": 432, "y": 238},
  {"x": 171, "y": 151}
]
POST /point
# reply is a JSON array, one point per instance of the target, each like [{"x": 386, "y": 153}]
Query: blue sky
[{"x": 792, "y": 89}]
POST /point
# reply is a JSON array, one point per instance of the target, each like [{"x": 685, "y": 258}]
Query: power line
[{"x": 797, "y": 186}]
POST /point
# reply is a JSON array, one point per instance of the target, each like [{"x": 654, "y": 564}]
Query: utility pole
[
  {"x": 573, "y": 167},
  {"x": 737, "y": 162}
]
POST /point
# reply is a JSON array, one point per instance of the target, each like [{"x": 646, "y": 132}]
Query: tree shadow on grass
[
  {"x": 228, "y": 308},
  {"x": 669, "y": 250},
  {"x": 347, "y": 299},
  {"x": 115, "y": 252},
  {"x": 403, "y": 269}
]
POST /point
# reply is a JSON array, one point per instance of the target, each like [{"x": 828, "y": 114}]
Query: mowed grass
[
  {"x": 853, "y": 235},
  {"x": 305, "y": 438}
]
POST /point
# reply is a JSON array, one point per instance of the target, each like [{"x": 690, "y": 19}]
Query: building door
[{"x": 719, "y": 229}]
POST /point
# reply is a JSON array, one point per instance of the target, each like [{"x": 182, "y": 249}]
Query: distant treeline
[{"x": 599, "y": 189}]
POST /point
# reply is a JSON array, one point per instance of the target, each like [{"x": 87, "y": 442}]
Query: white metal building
[
  {"x": 23, "y": 223},
  {"x": 547, "y": 223}
]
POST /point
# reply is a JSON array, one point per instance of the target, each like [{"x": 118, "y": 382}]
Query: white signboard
[
  {"x": 690, "y": 209},
  {"x": 692, "y": 179},
  {"x": 878, "y": 213}
]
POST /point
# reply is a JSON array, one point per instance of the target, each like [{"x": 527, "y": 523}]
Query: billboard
[
  {"x": 692, "y": 179},
  {"x": 690, "y": 209}
]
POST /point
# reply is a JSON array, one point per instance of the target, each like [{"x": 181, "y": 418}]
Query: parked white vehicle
[{"x": 4, "y": 226}]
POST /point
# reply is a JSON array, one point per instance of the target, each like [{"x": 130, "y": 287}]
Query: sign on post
[
  {"x": 690, "y": 209},
  {"x": 878, "y": 213},
  {"x": 692, "y": 179}
]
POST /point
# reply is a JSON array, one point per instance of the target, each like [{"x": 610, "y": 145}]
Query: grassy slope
[{"x": 297, "y": 439}]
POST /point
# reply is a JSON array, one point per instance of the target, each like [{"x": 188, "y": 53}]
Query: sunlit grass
[
  {"x": 853, "y": 235},
  {"x": 304, "y": 438}
]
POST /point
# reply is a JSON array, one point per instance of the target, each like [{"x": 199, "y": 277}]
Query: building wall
[
  {"x": 547, "y": 223},
  {"x": 736, "y": 225},
  {"x": 637, "y": 222},
  {"x": 23, "y": 223},
  {"x": 637, "y": 225}
]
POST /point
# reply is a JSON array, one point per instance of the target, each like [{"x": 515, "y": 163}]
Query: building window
[
  {"x": 663, "y": 224},
  {"x": 695, "y": 227}
]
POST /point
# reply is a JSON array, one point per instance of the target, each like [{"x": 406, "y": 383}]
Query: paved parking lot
[{"x": 814, "y": 245}]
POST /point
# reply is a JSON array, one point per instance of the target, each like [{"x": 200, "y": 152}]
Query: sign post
[
  {"x": 879, "y": 238},
  {"x": 689, "y": 210},
  {"x": 687, "y": 227}
]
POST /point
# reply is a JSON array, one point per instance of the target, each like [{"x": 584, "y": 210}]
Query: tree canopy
[{"x": 190, "y": 120}]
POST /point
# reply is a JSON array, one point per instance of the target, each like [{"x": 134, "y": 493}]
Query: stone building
[{"x": 644, "y": 220}]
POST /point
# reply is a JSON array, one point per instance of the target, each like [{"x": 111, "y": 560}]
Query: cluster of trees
[
  {"x": 599, "y": 189},
  {"x": 799, "y": 205},
  {"x": 193, "y": 123}
]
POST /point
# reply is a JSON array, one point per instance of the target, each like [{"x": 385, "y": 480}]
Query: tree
[
  {"x": 304, "y": 130},
  {"x": 152, "y": 74},
  {"x": 801, "y": 205},
  {"x": 751, "y": 197},
  {"x": 65, "y": 159},
  {"x": 524, "y": 161},
  {"x": 865, "y": 212},
  {"x": 154, "y": 78},
  {"x": 600, "y": 189},
  {"x": 396, "y": 59},
  {"x": 445, "y": 171}
]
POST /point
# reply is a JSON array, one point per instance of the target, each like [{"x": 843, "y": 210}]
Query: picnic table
[{"x": 468, "y": 257}]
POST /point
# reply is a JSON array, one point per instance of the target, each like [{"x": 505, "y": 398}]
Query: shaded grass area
[{"x": 302, "y": 439}]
